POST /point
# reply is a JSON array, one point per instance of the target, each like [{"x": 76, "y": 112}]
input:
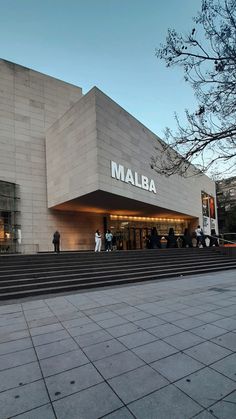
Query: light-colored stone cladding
[
  {"x": 71, "y": 153},
  {"x": 30, "y": 102},
  {"x": 96, "y": 131},
  {"x": 123, "y": 139},
  {"x": 84, "y": 134}
]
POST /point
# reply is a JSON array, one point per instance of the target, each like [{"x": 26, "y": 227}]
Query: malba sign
[{"x": 119, "y": 172}]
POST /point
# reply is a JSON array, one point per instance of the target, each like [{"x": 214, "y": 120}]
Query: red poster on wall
[{"x": 212, "y": 207}]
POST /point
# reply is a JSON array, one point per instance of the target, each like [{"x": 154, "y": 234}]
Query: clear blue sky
[{"x": 107, "y": 43}]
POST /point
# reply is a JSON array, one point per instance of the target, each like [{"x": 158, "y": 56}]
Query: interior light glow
[{"x": 150, "y": 219}]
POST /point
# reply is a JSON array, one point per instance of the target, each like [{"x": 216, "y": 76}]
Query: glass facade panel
[{"x": 9, "y": 217}]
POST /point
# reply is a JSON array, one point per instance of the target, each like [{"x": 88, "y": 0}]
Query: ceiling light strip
[{"x": 155, "y": 219}]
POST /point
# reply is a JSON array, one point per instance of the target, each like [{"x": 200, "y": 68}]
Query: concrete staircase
[{"x": 46, "y": 273}]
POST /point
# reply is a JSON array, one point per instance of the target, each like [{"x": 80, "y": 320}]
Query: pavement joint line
[
  {"x": 106, "y": 381},
  {"x": 157, "y": 338},
  {"x": 43, "y": 378}
]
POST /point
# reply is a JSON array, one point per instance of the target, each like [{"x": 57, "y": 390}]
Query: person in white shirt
[
  {"x": 199, "y": 236},
  {"x": 98, "y": 241}
]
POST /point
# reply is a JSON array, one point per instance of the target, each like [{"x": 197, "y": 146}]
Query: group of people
[
  {"x": 153, "y": 241},
  {"x": 108, "y": 241}
]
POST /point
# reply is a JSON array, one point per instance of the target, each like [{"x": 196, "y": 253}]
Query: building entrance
[{"x": 131, "y": 233}]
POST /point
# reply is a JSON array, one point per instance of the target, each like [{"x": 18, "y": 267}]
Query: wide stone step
[
  {"x": 57, "y": 260},
  {"x": 107, "y": 276},
  {"x": 103, "y": 283},
  {"x": 42, "y": 258},
  {"x": 37, "y": 272}
]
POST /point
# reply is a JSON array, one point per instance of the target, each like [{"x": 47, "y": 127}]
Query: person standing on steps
[
  {"x": 200, "y": 237},
  {"x": 98, "y": 241},
  {"x": 56, "y": 241},
  {"x": 187, "y": 239},
  {"x": 108, "y": 237}
]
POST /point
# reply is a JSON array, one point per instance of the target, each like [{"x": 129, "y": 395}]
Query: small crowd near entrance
[{"x": 153, "y": 241}]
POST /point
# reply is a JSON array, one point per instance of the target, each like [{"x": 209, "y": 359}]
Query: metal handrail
[{"x": 223, "y": 240}]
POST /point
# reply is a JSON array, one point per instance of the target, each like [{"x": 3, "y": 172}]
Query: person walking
[
  {"x": 108, "y": 237},
  {"x": 98, "y": 241},
  {"x": 56, "y": 241}
]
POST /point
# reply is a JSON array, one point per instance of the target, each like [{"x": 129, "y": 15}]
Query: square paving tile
[
  {"x": 123, "y": 329},
  {"x": 76, "y": 322},
  {"x": 72, "y": 381},
  {"x": 103, "y": 316},
  {"x": 227, "y": 323},
  {"x": 63, "y": 362},
  {"x": 204, "y": 415},
  {"x": 43, "y": 412},
  {"x": 137, "y": 339},
  {"x": 208, "y": 317},
  {"x": 136, "y": 316},
  {"x": 19, "y": 376},
  {"x": 165, "y": 330},
  {"x": 137, "y": 383},
  {"x": 35, "y": 331},
  {"x": 118, "y": 364},
  {"x": 42, "y": 322},
  {"x": 17, "y": 400},
  {"x": 183, "y": 340},
  {"x": 208, "y": 331},
  {"x": 228, "y": 341},
  {"x": 226, "y": 366},
  {"x": 15, "y": 345},
  {"x": 206, "y": 386},
  {"x": 91, "y": 403},
  {"x": 192, "y": 311},
  {"x": 103, "y": 349},
  {"x": 149, "y": 322},
  {"x": 188, "y": 323},
  {"x": 83, "y": 329},
  {"x": 122, "y": 413},
  {"x": 92, "y": 338},
  {"x": 154, "y": 350},
  {"x": 226, "y": 408},
  {"x": 167, "y": 403},
  {"x": 207, "y": 352},
  {"x": 176, "y": 366},
  {"x": 7, "y": 337},
  {"x": 56, "y": 348},
  {"x": 17, "y": 358},
  {"x": 50, "y": 337},
  {"x": 114, "y": 321},
  {"x": 173, "y": 316}
]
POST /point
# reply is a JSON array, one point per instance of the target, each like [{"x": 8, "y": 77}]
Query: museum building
[{"x": 77, "y": 163}]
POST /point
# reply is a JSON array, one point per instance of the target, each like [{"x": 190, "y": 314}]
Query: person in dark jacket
[
  {"x": 187, "y": 239},
  {"x": 56, "y": 241},
  {"x": 155, "y": 239},
  {"x": 213, "y": 239},
  {"x": 171, "y": 239}
]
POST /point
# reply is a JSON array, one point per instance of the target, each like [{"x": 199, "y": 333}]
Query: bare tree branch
[{"x": 209, "y": 135}]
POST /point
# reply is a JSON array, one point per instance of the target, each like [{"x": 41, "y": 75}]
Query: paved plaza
[{"x": 160, "y": 350}]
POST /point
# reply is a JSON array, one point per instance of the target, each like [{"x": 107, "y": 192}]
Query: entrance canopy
[{"x": 107, "y": 203}]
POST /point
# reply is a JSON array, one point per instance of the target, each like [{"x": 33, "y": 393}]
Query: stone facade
[{"x": 57, "y": 145}]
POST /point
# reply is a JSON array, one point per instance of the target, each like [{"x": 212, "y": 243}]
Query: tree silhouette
[{"x": 208, "y": 139}]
